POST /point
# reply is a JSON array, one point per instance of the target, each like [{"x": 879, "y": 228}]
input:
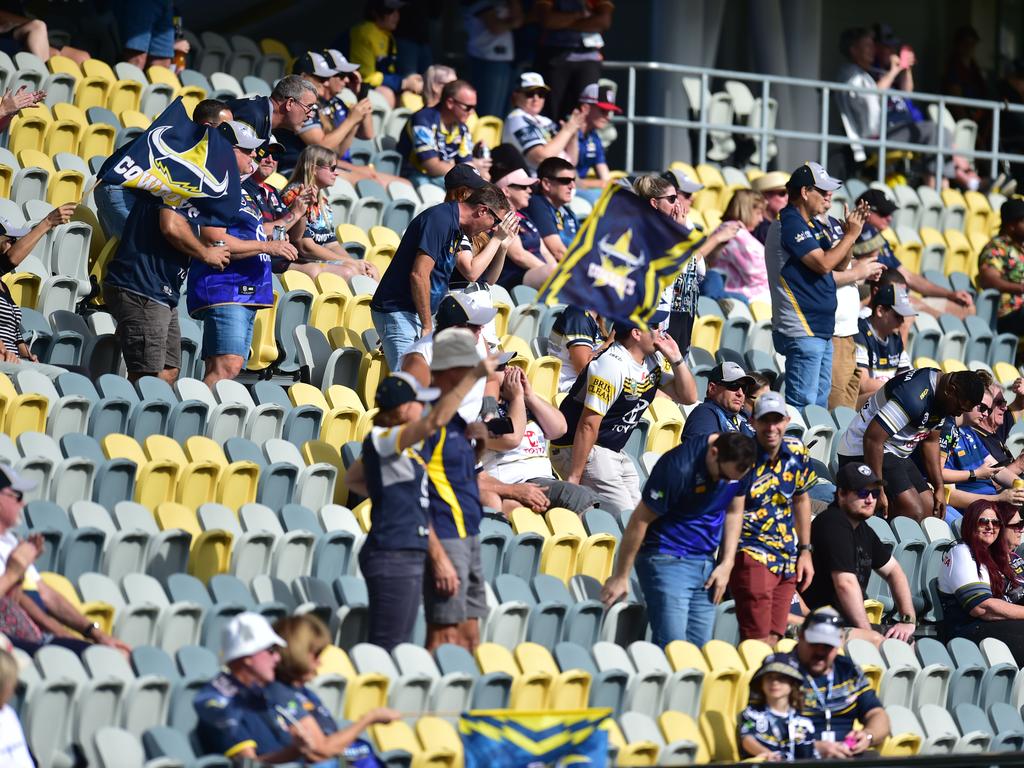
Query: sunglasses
[
  {"x": 983, "y": 409},
  {"x": 563, "y": 180},
  {"x": 331, "y": 168},
  {"x": 522, "y": 187},
  {"x": 670, "y": 198},
  {"x": 814, "y": 618},
  {"x": 989, "y": 522},
  {"x": 464, "y": 105},
  {"x": 18, "y": 495},
  {"x": 999, "y": 402},
  {"x": 864, "y": 493},
  {"x": 537, "y": 94},
  {"x": 1018, "y": 526}
]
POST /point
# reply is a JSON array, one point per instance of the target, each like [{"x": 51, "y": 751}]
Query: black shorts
[{"x": 899, "y": 474}]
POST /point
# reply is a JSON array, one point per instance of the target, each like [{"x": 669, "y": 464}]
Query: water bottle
[{"x": 280, "y": 233}]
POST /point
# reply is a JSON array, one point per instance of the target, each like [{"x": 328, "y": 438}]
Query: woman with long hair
[
  {"x": 741, "y": 260},
  {"x": 435, "y": 79}
]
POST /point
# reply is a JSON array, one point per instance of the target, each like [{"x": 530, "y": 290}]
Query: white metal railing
[{"x": 822, "y": 135}]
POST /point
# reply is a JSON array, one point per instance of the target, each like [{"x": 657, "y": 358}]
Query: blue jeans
[
  {"x": 397, "y": 332},
  {"x": 493, "y": 81},
  {"x": 808, "y": 368},
  {"x": 227, "y": 330},
  {"x": 113, "y": 204},
  {"x": 678, "y": 606}
]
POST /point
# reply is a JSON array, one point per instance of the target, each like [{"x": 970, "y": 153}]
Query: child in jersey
[{"x": 771, "y": 726}]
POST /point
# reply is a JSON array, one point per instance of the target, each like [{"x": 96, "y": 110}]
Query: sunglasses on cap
[{"x": 823, "y": 618}]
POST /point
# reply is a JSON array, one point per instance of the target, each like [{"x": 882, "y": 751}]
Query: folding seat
[
  {"x": 187, "y": 417},
  {"x": 68, "y": 479},
  {"x": 353, "y": 612},
  {"x": 179, "y": 624},
  {"x": 24, "y": 412},
  {"x": 978, "y": 735},
  {"x": 1008, "y": 726},
  {"x": 447, "y": 692},
  {"x": 146, "y": 417},
  {"x": 293, "y": 550},
  {"x": 508, "y": 621},
  {"x": 163, "y": 742},
  {"x": 907, "y": 736},
  {"x": 183, "y": 588},
  {"x": 210, "y": 551},
  {"x": 323, "y": 458},
  {"x": 597, "y": 552},
  {"x": 225, "y": 419},
  {"x": 570, "y": 688},
  {"x": 145, "y": 699},
  {"x": 134, "y": 623},
  {"x": 624, "y": 622},
  {"x": 645, "y": 689},
  {"x": 46, "y": 717},
  {"x": 251, "y": 551},
  {"x": 409, "y": 691},
  {"x": 998, "y": 656},
  {"x": 530, "y": 690},
  {"x": 716, "y": 686},
  {"x": 941, "y": 733},
  {"x": 108, "y": 415},
  {"x": 583, "y": 617},
  {"x": 638, "y": 727},
  {"x": 932, "y": 681},
  {"x": 489, "y": 690},
  {"x": 263, "y": 422},
  {"x": 238, "y": 481}
]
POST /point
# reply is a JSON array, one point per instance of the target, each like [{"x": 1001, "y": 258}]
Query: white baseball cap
[
  {"x": 529, "y": 81},
  {"x": 247, "y": 634},
  {"x": 454, "y": 348}
]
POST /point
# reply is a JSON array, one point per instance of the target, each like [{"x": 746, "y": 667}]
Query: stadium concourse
[{"x": 165, "y": 516}]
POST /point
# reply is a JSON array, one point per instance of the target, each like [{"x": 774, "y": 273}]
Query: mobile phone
[
  {"x": 364, "y": 91},
  {"x": 906, "y": 55},
  {"x": 500, "y": 426}
]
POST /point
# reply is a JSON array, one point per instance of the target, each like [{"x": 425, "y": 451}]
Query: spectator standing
[
  {"x": 845, "y": 551},
  {"x": 490, "y": 49},
  {"x": 13, "y": 748},
  {"x": 774, "y": 552},
  {"x": 575, "y": 338},
  {"x": 528, "y": 261},
  {"x": 287, "y": 107},
  {"x": 597, "y": 103},
  {"x": 480, "y": 258},
  {"x": 722, "y": 409},
  {"x": 413, "y": 34},
  {"x": 417, "y": 277},
  {"x": 692, "y": 506},
  {"x": 437, "y": 138},
  {"x": 906, "y": 412},
  {"x": 227, "y": 299},
  {"x": 1001, "y": 266},
  {"x": 146, "y": 29},
  {"x": 549, "y": 210},
  {"x": 800, "y": 257},
  {"x": 606, "y": 403},
  {"x": 772, "y": 186},
  {"x": 570, "y": 50},
  {"x": 742, "y": 258},
  {"x": 879, "y": 343},
  {"x": 372, "y": 46},
  {"x": 836, "y": 693},
  {"x": 965, "y": 79},
  {"x": 535, "y": 135},
  {"x": 771, "y": 726}
]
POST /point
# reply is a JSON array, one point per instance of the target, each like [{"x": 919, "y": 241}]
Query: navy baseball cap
[{"x": 400, "y": 388}]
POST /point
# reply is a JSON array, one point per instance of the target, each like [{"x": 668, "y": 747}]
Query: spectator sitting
[
  {"x": 549, "y": 210},
  {"x": 994, "y": 428},
  {"x": 528, "y": 261},
  {"x": 973, "y": 580},
  {"x": 1009, "y": 516},
  {"x": 435, "y": 79},
  {"x": 480, "y": 258},
  {"x": 772, "y": 186},
  {"x": 606, "y": 403},
  {"x": 490, "y": 49},
  {"x": 417, "y": 277},
  {"x": 774, "y": 552},
  {"x": 437, "y": 138},
  {"x": 761, "y": 384},
  {"x": 722, "y": 409},
  {"x": 908, "y": 411},
  {"x": 288, "y": 107},
  {"x": 575, "y": 338},
  {"x": 13, "y": 747},
  {"x": 692, "y": 506},
  {"x": 317, "y": 244},
  {"x": 880, "y": 352},
  {"x": 742, "y": 258},
  {"x": 597, "y": 103},
  {"x": 22, "y": 33},
  {"x": 836, "y": 693},
  {"x": 519, "y": 458},
  {"x": 1001, "y": 266},
  {"x": 771, "y": 726},
  {"x": 227, "y": 299},
  {"x": 537, "y": 136},
  {"x": 268, "y": 200},
  {"x": 305, "y": 638},
  {"x": 372, "y": 46}
]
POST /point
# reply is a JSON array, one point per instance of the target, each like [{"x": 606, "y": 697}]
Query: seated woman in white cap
[
  {"x": 537, "y": 136},
  {"x": 528, "y": 261}
]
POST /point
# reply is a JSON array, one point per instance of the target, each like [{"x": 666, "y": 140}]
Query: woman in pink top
[{"x": 742, "y": 258}]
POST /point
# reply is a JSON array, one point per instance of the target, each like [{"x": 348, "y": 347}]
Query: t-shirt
[
  {"x": 8, "y": 541},
  {"x": 436, "y": 232},
  {"x": 769, "y": 527},
  {"x": 788, "y": 733},
  {"x": 481, "y": 43},
  {"x": 843, "y": 691},
  {"x": 1003, "y": 255},
  {"x": 591, "y": 153},
  {"x": 573, "y": 327},
  {"x": 425, "y": 136},
  {"x": 254, "y": 111},
  {"x": 473, "y": 402},
  {"x": 319, "y": 219},
  {"x": 375, "y": 51},
  {"x": 964, "y": 450},
  {"x": 267, "y": 199},
  {"x": 525, "y": 131},
  {"x": 455, "y": 508},
  {"x": 527, "y": 461},
  {"x": 803, "y": 302},
  {"x": 841, "y": 547},
  {"x": 883, "y": 358},
  {"x": 689, "y": 505},
  {"x": 336, "y": 111},
  {"x": 12, "y": 331},
  {"x": 145, "y": 262},
  {"x": 13, "y": 748},
  {"x": 904, "y": 406},
  {"x": 963, "y": 586},
  {"x": 709, "y": 417},
  {"x": 552, "y": 221},
  {"x": 617, "y": 387},
  {"x": 233, "y": 717},
  {"x": 397, "y": 483},
  {"x": 995, "y": 443}
]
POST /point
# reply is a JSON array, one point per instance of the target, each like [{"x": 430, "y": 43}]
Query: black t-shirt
[
  {"x": 995, "y": 442},
  {"x": 840, "y": 547}
]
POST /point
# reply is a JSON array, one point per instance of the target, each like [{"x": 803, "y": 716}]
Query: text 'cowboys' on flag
[
  {"x": 182, "y": 163},
  {"x": 624, "y": 255},
  {"x": 504, "y": 738}
]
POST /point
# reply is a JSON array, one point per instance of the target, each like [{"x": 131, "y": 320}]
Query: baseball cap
[
  {"x": 878, "y": 202},
  {"x": 769, "y": 181},
  {"x": 869, "y": 241},
  {"x": 463, "y": 175},
  {"x": 519, "y": 177},
  {"x": 240, "y": 135},
  {"x": 855, "y": 475},
  {"x": 823, "y": 626},
  {"x": 531, "y": 81},
  {"x": 778, "y": 664},
  {"x": 1011, "y": 210},
  {"x": 728, "y": 373},
  {"x": 400, "y": 388},
  {"x": 894, "y": 296},
  {"x": 311, "y": 63},
  {"x": 601, "y": 96},
  {"x": 463, "y": 309},
  {"x": 337, "y": 61},
  {"x": 247, "y": 634},
  {"x": 681, "y": 181},
  {"x": 9, "y": 229},
  {"x": 814, "y": 175},
  {"x": 11, "y": 479},
  {"x": 454, "y": 348},
  {"x": 770, "y": 402}
]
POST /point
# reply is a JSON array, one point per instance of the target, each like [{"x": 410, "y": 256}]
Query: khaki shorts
[
  {"x": 148, "y": 331},
  {"x": 470, "y": 602}
]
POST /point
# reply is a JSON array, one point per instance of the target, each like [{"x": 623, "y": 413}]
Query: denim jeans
[
  {"x": 678, "y": 606},
  {"x": 227, "y": 330},
  {"x": 113, "y": 204},
  {"x": 397, "y": 331},
  {"x": 394, "y": 585},
  {"x": 808, "y": 368}
]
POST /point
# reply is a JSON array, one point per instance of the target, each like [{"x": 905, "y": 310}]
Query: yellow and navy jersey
[
  {"x": 844, "y": 691},
  {"x": 803, "y": 301},
  {"x": 426, "y": 136},
  {"x": 454, "y": 499},
  {"x": 882, "y": 358},
  {"x": 233, "y": 718}
]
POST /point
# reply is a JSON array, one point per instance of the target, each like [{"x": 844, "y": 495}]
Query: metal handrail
[{"x": 822, "y": 135}]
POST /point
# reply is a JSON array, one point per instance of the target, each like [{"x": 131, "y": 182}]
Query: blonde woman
[
  {"x": 742, "y": 258},
  {"x": 314, "y": 237},
  {"x": 435, "y": 79}
]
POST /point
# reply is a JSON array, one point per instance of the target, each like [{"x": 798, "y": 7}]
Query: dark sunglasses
[
  {"x": 522, "y": 187},
  {"x": 464, "y": 105},
  {"x": 991, "y": 522},
  {"x": 864, "y": 493},
  {"x": 732, "y": 386},
  {"x": 331, "y": 168},
  {"x": 538, "y": 93},
  {"x": 983, "y": 409},
  {"x": 1016, "y": 526},
  {"x": 670, "y": 198},
  {"x": 999, "y": 402},
  {"x": 563, "y": 180}
]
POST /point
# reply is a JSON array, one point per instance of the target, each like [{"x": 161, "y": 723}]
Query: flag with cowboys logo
[
  {"x": 182, "y": 163},
  {"x": 504, "y": 738}
]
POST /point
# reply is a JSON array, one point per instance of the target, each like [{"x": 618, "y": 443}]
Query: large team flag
[
  {"x": 503, "y": 738},
  {"x": 622, "y": 258},
  {"x": 181, "y": 162}
]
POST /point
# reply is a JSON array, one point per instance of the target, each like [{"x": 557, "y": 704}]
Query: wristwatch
[
  {"x": 804, "y": 548},
  {"x": 971, "y": 475},
  {"x": 91, "y": 630},
  {"x": 906, "y": 618}
]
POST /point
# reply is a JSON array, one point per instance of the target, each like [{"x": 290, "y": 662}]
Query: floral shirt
[
  {"x": 319, "y": 218},
  {"x": 1007, "y": 258},
  {"x": 769, "y": 530}
]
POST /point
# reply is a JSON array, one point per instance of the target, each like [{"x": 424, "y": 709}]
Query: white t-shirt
[
  {"x": 847, "y": 310},
  {"x": 526, "y": 131},
  {"x": 8, "y": 541},
  {"x": 526, "y": 461},
  {"x": 13, "y": 749},
  {"x": 474, "y": 401},
  {"x": 960, "y": 571}
]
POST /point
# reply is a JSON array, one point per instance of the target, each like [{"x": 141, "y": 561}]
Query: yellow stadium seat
[
  {"x": 785, "y": 645},
  {"x": 958, "y": 252},
  {"x": 439, "y": 736},
  {"x": 238, "y": 484},
  {"x": 926, "y": 362},
  {"x": 28, "y": 133},
  {"x": 155, "y": 483},
  {"x": 707, "y": 332},
  {"x": 98, "y": 267},
  {"x": 340, "y": 396},
  {"x": 761, "y": 310},
  {"x": 96, "y": 610},
  {"x": 689, "y": 170},
  {"x": 363, "y": 692},
  {"x": 24, "y": 287},
  {"x": 383, "y": 236},
  {"x": 979, "y": 213},
  {"x": 597, "y": 556},
  {"x": 754, "y": 173},
  {"x": 328, "y": 311},
  {"x": 720, "y": 684},
  {"x": 124, "y": 95},
  {"x": 92, "y": 92},
  {"x": 569, "y": 690},
  {"x": 6, "y": 177},
  {"x": 98, "y": 68},
  {"x": 41, "y": 111},
  {"x": 65, "y": 111},
  {"x": 874, "y": 609},
  {"x": 63, "y": 65},
  {"x": 200, "y": 448},
  {"x": 293, "y": 280},
  {"x": 316, "y": 452},
  {"x": 1005, "y": 373},
  {"x": 209, "y": 552},
  {"x": 22, "y": 412},
  {"x": 719, "y": 731},
  {"x": 31, "y": 158},
  {"x": 560, "y": 556},
  {"x": 525, "y": 520},
  {"x": 909, "y": 255},
  {"x": 329, "y": 282},
  {"x": 753, "y": 653},
  {"x": 350, "y": 233},
  {"x": 357, "y": 313},
  {"x": 65, "y": 187},
  {"x": 411, "y": 101},
  {"x": 62, "y": 136},
  {"x": 519, "y": 345},
  {"x": 488, "y": 129},
  {"x": 340, "y": 336},
  {"x": 380, "y": 256},
  {"x": 901, "y": 745},
  {"x": 949, "y": 366},
  {"x": 97, "y": 139},
  {"x": 118, "y": 446},
  {"x": 132, "y": 118},
  {"x": 543, "y": 374},
  {"x": 163, "y": 75},
  {"x": 530, "y": 690},
  {"x": 501, "y": 319},
  {"x": 712, "y": 218},
  {"x": 263, "y": 350},
  {"x": 373, "y": 368},
  {"x": 164, "y": 448},
  {"x": 637, "y": 753},
  {"x": 275, "y": 46},
  {"x": 664, "y": 433},
  {"x": 197, "y": 480},
  {"x": 190, "y": 96},
  {"x": 277, "y": 181},
  {"x": 678, "y": 725},
  {"x": 706, "y": 200}
]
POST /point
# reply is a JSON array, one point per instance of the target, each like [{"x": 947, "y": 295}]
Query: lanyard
[{"x": 823, "y": 700}]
